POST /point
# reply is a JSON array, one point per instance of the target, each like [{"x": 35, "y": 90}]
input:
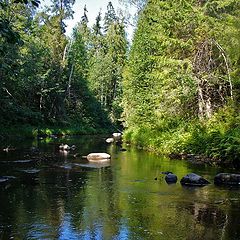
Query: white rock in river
[
  {"x": 117, "y": 134},
  {"x": 110, "y": 140},
  {"x": 98, "y": 157},
  {"x": 64, "y": 147}
]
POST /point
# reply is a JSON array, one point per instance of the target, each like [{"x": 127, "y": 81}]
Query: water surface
[{"x": 72, "y": 199}]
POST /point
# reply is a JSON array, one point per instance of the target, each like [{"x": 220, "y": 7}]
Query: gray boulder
[
  {"x": 227, "y": 179},
  {"x": 193, "y": 179}
]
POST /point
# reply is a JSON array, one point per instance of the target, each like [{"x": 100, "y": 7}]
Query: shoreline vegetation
[
  {"x": 181, "y": 83},
  {"x": 212, "y": 142},
  {"x": 175, "y": 89},
  {"x": 215, "y": 141},
  {"x": 28, "y": 131}
]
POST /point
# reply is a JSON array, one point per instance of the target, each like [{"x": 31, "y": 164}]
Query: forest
[
  {"x": 50, "y": 81},
  {"x": 174, "y": 89}
]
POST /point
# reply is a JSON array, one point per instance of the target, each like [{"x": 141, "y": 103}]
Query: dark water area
[{"x": 119, "y": 199}]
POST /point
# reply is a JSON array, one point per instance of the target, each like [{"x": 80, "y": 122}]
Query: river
[{"x": 72, "y": 199}]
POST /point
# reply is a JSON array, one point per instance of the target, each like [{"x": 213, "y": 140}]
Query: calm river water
[{"x": 72, "y": 199}]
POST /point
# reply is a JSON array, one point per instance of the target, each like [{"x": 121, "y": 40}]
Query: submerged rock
[
  {"x": 192, "y": 179},
  {"x": 227, "y": 179},
  {"x": 31, "y": 171},
  {"x": 25, "y": 161},
  {"x": 5, "y": 181},
  {"x": 30, "y": 176},
  {"x": 98, "y": 157}
]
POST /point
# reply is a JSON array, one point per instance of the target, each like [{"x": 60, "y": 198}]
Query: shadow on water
[{"x": 62, "y": 196}]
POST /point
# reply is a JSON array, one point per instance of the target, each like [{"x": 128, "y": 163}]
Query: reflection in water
[
  {"x": 119, "y": 199},
  {"x": 94, "y": 165}
]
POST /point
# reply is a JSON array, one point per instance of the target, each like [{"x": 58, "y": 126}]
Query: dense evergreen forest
[
  {"x": 175, "y": 89},
  {"x": 50, "y": 81}
]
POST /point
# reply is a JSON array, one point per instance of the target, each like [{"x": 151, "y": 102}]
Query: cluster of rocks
[
  {"x": 95, "y": 157},
  {"x": 31, "y": 175},
  {"x": 193, "y": 179},
  {"x": 66, "y": 147},
  {"x": 104, "y": 157},
  {"x": 116, "y": 138}
]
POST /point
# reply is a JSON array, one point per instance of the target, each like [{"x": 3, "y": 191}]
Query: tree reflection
[{"x": 119, "y": 201}]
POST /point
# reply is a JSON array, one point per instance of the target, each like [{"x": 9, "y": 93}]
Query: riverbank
[
  {"x": 28, "y": 131},
  {"x": 216, "y": 141}
]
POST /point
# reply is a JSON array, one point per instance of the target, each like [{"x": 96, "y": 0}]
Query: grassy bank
[{"x": 217, "y": 138}]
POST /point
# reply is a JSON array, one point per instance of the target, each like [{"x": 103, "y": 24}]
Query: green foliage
[
  {"x": 33, "y": 2},
  {"x": 181, "y": 77},
  {"x": 218, "y": 137},
  {"x": 107, "y": 61},
  {"x": 44, "y": 75}
]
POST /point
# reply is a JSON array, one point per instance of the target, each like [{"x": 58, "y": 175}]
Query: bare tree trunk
[
  {"x": 204, "y": 100},
  {"x": 114, "y": 90},
  {"x": 69, "y": 81},
  {"x": 227, "y": 66},
  {"x": 67, "y": 49},
  {"x": 41, "y": 100},
  {"x": 210, "y": 68},
  {"x": 64, "y": 53},
  {"x": 208, "y": 108},
  {"x": 200, "y": 101},
  {"x": 101, "y": 97}
]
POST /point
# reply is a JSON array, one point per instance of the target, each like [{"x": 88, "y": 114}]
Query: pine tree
[
  {"x": 110, "y": 17},
  {"x": 97, "y": 29}
]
